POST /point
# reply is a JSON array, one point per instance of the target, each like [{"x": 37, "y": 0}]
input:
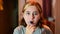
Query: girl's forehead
[
  {"x": 31, "y": 8},
  {"x": 28, "y": 5}
]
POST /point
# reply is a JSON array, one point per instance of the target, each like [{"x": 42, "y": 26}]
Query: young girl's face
[{"x": 31, "y": 15}]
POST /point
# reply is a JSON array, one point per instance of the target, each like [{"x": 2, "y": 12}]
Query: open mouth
[{"x": 31, "y": 22}]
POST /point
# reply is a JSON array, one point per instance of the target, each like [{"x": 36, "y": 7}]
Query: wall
[{"x": 56, "y": 15}]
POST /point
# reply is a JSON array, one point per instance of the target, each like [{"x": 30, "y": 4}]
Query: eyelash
[
  {"x": 28, "y": 13},
  {"x": 34, "y": 13}
]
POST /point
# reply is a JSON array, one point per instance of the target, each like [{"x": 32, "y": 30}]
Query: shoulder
[
  {"x": 18, "y": 29},
  {"x": 47, "y": 29}
]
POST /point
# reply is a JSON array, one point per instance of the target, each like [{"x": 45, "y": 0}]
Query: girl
[{"x": 31, "y": 22}]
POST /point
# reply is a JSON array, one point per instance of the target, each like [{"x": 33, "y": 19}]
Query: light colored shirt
[{"x": 22, "y": 29}]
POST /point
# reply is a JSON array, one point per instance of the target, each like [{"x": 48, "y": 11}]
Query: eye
[
  {"x": 35, "y": 13},
  {"x": 28, "y": 13}
]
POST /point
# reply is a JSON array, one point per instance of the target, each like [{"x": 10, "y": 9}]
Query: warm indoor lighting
[{"x": 1, "y": 4}]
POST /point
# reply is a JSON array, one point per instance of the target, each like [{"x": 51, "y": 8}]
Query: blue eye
[
  {"x": 35, "y": 13},
  {"x": 28, "y": 13}
]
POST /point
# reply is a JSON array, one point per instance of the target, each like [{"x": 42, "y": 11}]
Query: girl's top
[{"x": 22, "y": 29}]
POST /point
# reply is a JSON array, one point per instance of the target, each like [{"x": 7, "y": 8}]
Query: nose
[{"x": 32, "y": 16}]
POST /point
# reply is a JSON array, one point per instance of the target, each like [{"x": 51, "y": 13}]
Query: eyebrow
[
  {"x": 35, "y": 12},
  {"x": 27, "y": 11}
]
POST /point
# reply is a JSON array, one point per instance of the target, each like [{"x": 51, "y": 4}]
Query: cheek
[
  {"x": 26, "y": 18},
  {"x": 37, "y": 18}
]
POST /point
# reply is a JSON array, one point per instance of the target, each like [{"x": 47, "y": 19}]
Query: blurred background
[{"x": 10, "y": 14}]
